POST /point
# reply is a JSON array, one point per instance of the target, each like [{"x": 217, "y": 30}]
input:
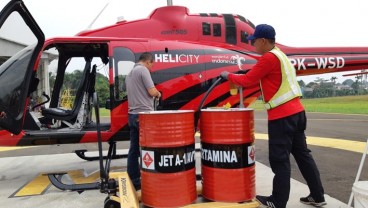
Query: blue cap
[{"x": 263, "y": 31}]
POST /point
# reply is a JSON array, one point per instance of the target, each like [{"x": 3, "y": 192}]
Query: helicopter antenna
[
  {"x": 169, "y": 2},
  {"x": 94, "y": 20}
]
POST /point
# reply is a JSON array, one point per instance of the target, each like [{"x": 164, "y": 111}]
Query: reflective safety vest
[{"x": 289, "y": 88}]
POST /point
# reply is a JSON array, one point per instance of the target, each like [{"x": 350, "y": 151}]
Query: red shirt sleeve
[{"x": 268, "y": 71}]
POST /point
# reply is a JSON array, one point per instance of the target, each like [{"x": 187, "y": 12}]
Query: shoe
[
  {"x": 137, "y": 187},
  {"x": 266, "y": 201},
  {"x": 311, "y": 201}
]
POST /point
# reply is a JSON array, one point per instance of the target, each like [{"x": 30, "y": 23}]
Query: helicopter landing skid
[
  {"x": 112, "y": 145},
  {"x": 55, "y": 179}
]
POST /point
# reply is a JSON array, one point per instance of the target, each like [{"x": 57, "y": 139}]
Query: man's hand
[
  {"x": 158, "y": 95},
  {"x": 224, "y": 74}
]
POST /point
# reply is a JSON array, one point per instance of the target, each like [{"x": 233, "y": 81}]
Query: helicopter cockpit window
[
  {"x": 124, "y": 61},
  {"x": 206, "y": 28},
  {"x": 61, "y": 71}
]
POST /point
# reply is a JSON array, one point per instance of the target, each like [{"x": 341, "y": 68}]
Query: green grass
[
  {"x": 103, "y": 112},
  {"x": 345, "y": 105}
]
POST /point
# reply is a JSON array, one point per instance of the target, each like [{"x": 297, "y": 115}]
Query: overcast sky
[{"x": 313, "y": 23}]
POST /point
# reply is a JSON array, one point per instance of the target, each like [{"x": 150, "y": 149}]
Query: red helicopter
[{"x": 190, "y": 52}]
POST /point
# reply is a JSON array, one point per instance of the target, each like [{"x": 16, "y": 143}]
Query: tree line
[
  {"x": 318, "y": 88},
  {"x": 321, "y": 88},
  {"x": 72, "y": 80}
]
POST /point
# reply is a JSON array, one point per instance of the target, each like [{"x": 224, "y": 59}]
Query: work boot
[{"x": 311, "y": 201}]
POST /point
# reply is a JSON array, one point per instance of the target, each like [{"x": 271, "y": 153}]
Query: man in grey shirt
[{"x": 141, "y": 92}]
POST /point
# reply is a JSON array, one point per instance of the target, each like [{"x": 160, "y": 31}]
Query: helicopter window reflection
[
  {"x": 124, "y": 60},
  {"x": 206, "y": 28},
  {"x": 17, "y": 45},
  {"x": 15, "y": 30},
  {"x": 217, "y": 30},
  {"x": 244, "y": 35}
]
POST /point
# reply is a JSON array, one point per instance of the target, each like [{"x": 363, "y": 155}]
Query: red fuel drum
[
  {"x": 168, "y": 158},
  {"x": 227, "y": 152}
]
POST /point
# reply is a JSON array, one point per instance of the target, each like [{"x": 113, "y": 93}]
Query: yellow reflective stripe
[{"x": 279, "y": 100}]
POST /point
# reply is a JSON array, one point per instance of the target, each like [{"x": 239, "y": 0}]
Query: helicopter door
[{"x": 21, "y": 41}]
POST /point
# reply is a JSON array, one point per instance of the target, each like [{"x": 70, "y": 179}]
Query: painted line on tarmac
[
  {"x": 349, "y": 145},
  {"x": 36, "y": 186},
  {"x": 352, "y": 114},
  {"x": 3, "y": 149},
  {"x": 321, "y": 119},
  {"x": 337, "y": 119}
]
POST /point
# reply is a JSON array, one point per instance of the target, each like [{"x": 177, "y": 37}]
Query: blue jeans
[{"x": 134, "y": 152}]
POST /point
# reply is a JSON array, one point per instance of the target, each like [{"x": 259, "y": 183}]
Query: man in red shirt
[{"x": 286, "y": 119}]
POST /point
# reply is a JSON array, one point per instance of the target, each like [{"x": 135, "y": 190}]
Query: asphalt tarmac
[{"x": 338, "y": 167}]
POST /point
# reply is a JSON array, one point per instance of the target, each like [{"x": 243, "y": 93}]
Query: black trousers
[{"x": 287, "y": 135}]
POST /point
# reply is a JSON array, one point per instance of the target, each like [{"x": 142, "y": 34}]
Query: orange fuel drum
[
  {"x": 227, "y": 152},
  {"x": 168, "y": 158}
]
